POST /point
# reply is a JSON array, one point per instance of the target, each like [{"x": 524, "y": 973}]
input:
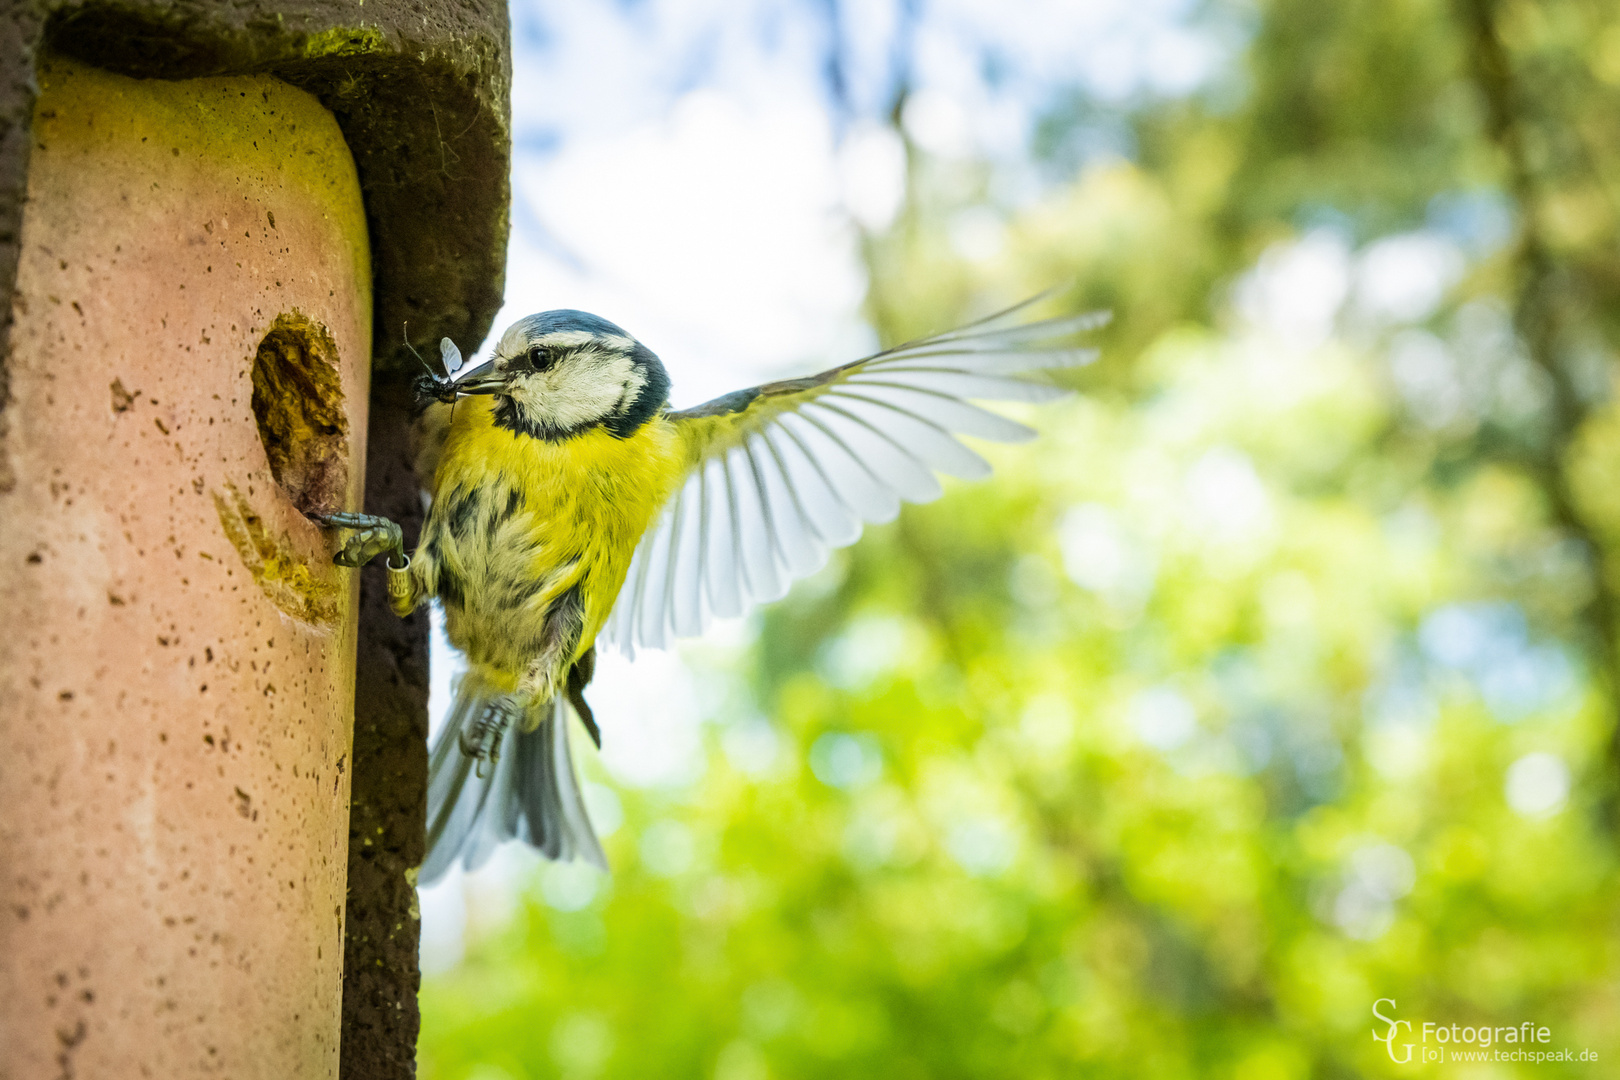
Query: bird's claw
[{"x": 373, "y": 536}]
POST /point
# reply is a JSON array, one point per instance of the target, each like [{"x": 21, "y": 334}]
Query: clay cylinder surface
[{"x": 189, "y": 376}]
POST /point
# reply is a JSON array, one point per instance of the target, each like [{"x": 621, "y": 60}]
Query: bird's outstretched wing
[{"x": 779, "y": 474}]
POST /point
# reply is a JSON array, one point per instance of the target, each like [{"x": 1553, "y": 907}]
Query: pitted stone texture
[
  {"x": 174, "y": 745},
  {"x": 420, "y": 88}
]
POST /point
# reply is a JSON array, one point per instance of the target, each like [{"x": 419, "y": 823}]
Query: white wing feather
[{"x": 808, "y": 462}]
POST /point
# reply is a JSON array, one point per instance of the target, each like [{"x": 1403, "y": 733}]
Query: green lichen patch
[
  {"x": 308, "y": 593},
  {"x": 345, "y": 41}
]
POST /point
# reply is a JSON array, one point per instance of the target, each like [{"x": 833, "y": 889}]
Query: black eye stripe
[{"x": 541, "y": 357}]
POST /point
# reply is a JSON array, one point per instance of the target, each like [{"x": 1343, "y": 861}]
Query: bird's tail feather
[{"x": 529, "y": 792}]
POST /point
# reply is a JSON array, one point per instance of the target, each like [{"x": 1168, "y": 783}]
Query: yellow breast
[{"x": 518, "y": 520}]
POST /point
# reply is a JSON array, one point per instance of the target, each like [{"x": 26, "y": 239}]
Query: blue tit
[{"x": 571, "y": 505}]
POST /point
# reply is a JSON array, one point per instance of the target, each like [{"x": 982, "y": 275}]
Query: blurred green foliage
[{"x": 1275, "y": 679}]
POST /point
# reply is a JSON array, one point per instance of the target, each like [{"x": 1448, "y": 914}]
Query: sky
[
  {"x": 692, "y": 171},
  {"x": 698, "y": 171}
]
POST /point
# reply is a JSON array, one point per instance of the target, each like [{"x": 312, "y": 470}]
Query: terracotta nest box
[{"x": 217, "y": 218}]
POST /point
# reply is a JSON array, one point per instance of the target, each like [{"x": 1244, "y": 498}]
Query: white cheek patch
[{"x": 587, "y": 387}]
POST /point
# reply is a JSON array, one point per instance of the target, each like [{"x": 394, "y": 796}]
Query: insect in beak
[{"x": 430, "y": 384}]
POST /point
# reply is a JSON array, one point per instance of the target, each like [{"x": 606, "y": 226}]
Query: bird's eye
[{"x": 540, "y": 357}]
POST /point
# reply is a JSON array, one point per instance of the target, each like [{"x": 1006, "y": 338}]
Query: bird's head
[{"x": 559, "y": 373}]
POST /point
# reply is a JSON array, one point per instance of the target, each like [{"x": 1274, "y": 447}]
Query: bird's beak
[{"x": 482, "y": 379}]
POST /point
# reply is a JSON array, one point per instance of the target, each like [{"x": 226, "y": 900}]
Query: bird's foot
[
  {"x": 481, "y": 741},
  {"x": 373, "y": 536}
]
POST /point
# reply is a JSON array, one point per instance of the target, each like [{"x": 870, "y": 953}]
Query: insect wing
[{"x": 450, "y": 355}]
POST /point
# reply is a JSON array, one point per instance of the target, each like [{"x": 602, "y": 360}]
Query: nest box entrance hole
[{"x": 298, "y": 403}]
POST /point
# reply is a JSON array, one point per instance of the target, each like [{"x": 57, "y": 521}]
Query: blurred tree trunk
[{"x": 1549, "y": 286}]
